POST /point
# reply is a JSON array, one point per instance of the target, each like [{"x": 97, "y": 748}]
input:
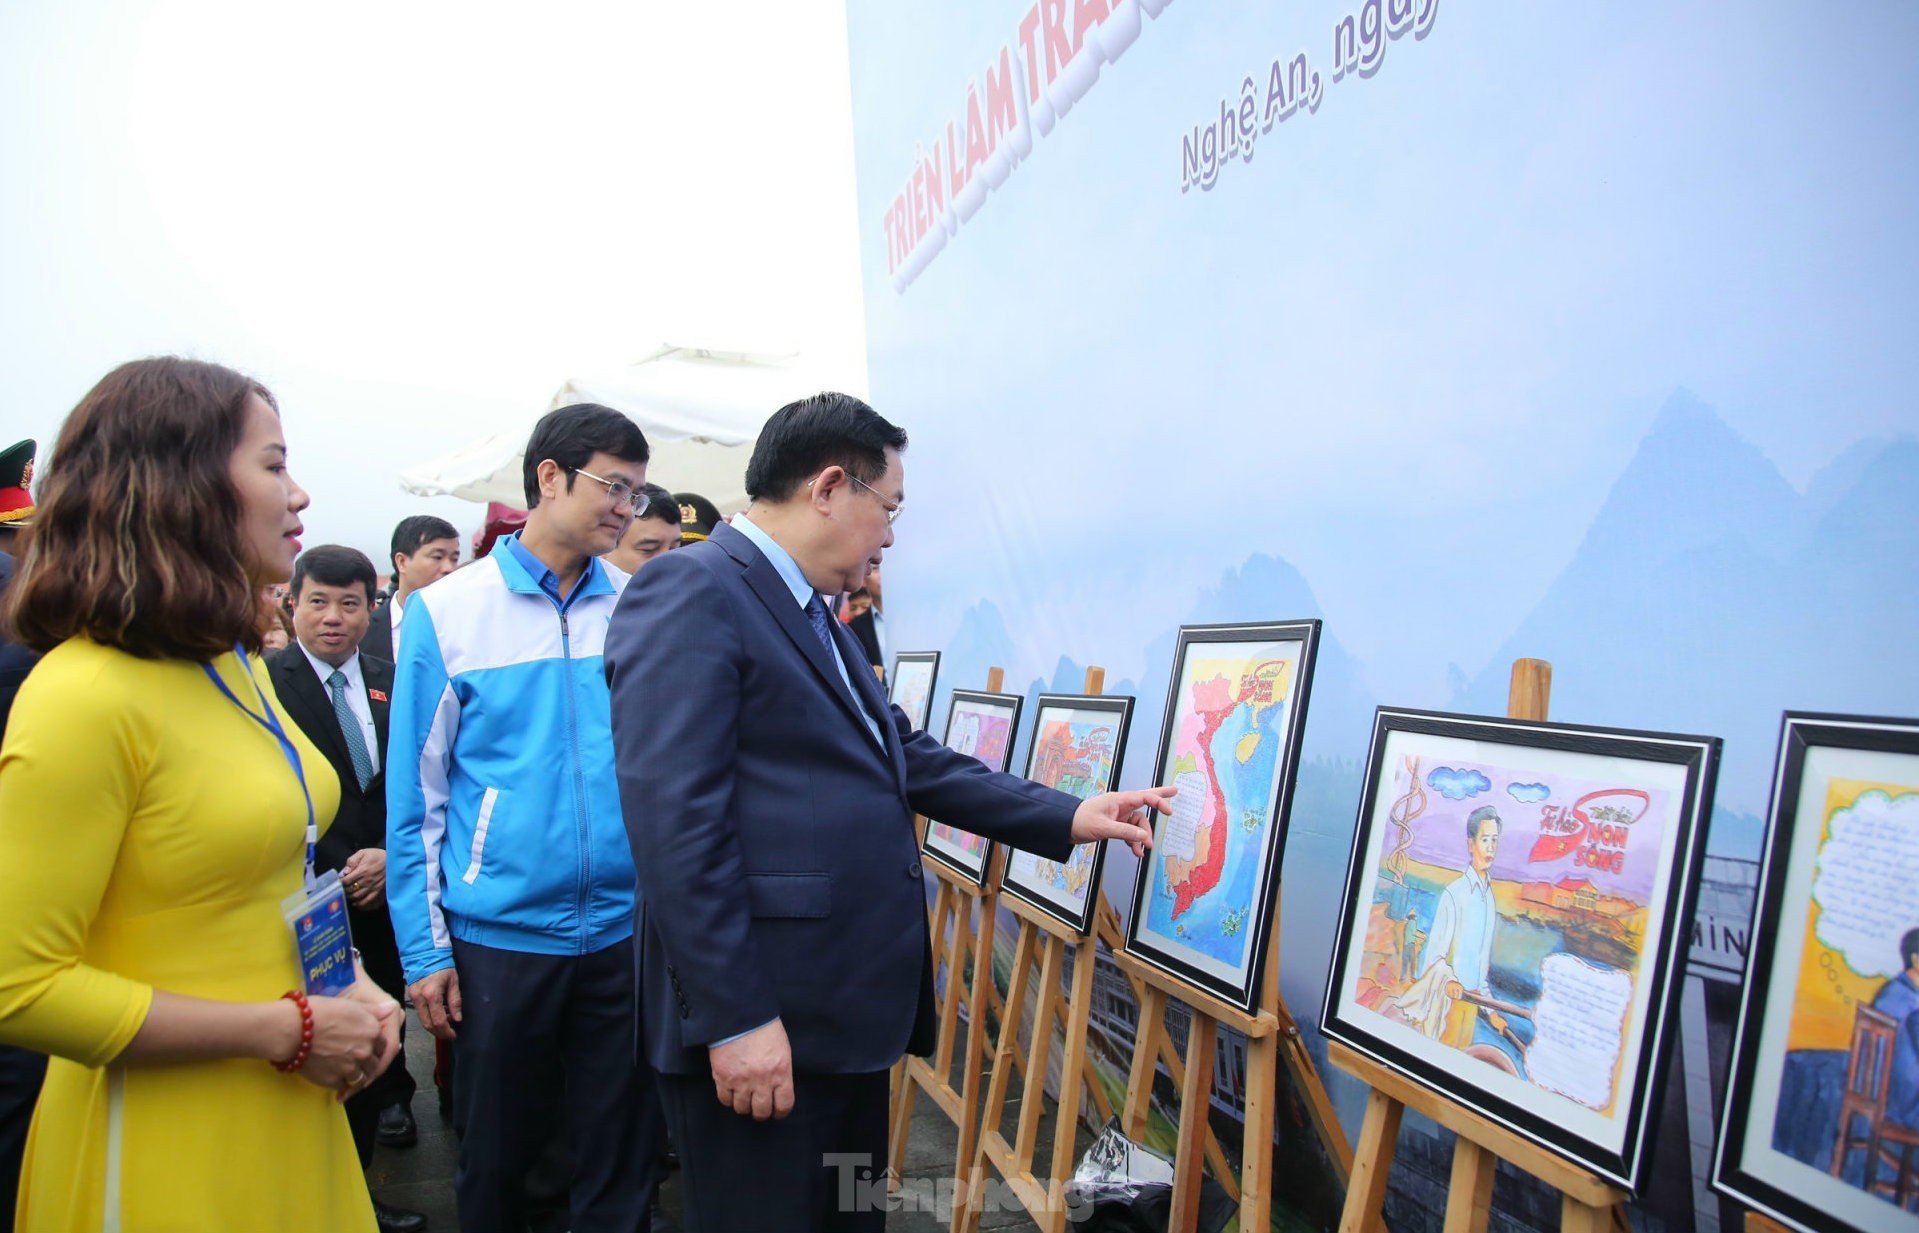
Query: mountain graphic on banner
[{"x": 1709, "y": 595}]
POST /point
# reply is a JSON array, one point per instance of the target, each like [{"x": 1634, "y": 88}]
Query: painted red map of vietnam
[{"x": 1213, "y": 702}]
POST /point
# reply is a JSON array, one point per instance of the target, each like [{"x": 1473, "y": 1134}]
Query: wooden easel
[
  {"x": 1591, "y": 1205},
  {"x": 971, "y": 913},
  {"x": 1044, "y": 941},
  {"x": 1271, "y": 1035}
]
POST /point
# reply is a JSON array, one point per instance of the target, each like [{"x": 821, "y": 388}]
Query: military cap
[
  {"x": 16, "y": 484},
  {"x": 698, "y": 516}
]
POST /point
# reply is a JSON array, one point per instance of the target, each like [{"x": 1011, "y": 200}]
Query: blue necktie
[
  {"x": 822, "y": 624},
  {"x": 350, "y": 729}
]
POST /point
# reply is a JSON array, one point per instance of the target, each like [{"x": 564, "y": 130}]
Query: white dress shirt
[
  {"x": 356, "y": 698},
  {"x": 399, "y": 612}
]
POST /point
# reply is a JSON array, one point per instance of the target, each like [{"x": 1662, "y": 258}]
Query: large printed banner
[{"x": 1583, "y": 332}]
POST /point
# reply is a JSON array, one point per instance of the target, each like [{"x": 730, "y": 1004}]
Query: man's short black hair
[
  {"x": 804, "y": 438},
  {"x": 660, "y": 505},
  {"x": 334, "y": 565},
  {"x": 571, "y": 436},
  {"x": 416, "y": 530},
  {"x": 1909, "y": 948},
  {"x": 1485, "y": 813}
]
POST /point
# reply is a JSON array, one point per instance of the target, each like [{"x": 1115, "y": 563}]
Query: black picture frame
[
  {"x": 1779, "y": 1138},
  {"x": 1025, "y": 874},
  {"x": 1161, "y": 892},
  {"x": 1566, "y": 907},
  {"x": 974, "y": 864},
  {"x": 902, "y": 685}
]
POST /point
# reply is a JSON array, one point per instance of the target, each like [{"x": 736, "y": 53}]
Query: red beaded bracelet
[{"x": 299, "y": 1057}]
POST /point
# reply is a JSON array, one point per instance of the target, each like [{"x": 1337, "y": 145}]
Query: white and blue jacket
[{"x": 503, "y": 809}]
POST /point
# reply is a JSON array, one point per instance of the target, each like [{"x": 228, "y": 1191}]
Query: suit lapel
[
  {"x": 877, "y": 706},
  {"x": 772, "y": 591},
  {"x": 378, "y": 675},
  {"x": 306, "y": 700}
]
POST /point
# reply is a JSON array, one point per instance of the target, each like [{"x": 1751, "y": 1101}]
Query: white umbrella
[{"x": 700, "y": 408}]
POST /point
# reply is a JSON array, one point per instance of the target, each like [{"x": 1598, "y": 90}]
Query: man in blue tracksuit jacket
[{"x": 509, "y": 875}]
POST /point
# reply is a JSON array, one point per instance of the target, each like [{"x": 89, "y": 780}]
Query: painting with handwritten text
[
  {"x": 1203, "y": 902},
  {"x": 1822, "y": 1112},
  {"x": 1508, "y": 934}
]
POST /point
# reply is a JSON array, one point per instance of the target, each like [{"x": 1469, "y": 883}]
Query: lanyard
[{"x": 271, "y": 722}]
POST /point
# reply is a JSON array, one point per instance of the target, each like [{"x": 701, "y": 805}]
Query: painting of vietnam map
[
  {"x": 1077, "y": 743},
  {"x": 1202, "y": 908}
]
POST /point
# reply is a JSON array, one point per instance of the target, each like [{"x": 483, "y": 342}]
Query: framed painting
[
  {"x": 910, "y": 688},
  {"x": 1203, "y": 901},
  {"x": 1821, "y": 1124},
  {"x": 1078, "y": 740},
  {"x": 983, "y": 725},
  {"x": 1517, "y": 917}
]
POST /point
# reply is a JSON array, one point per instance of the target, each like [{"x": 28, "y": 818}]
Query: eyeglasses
[
  {"x": 622, "y": 494},
  {"x": 893, "y": 508}
]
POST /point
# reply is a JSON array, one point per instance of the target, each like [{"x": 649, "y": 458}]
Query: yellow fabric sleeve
[{"x": 71, "y": 770}]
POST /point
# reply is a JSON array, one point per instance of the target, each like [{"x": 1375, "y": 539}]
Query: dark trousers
[
  {"x": 817, "y": 1170},
  {"x": 373, "y": 934},
  {"x": 20, "y": 1076},
  {"x": 545, "y": 1044},
  {"x": 394, "y": 1087}
]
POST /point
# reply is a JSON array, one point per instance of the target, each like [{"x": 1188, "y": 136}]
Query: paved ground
[{"x": 421, "y": 1177}]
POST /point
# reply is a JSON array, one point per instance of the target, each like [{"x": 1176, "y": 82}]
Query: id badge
[{"x": 322, "y": 936}]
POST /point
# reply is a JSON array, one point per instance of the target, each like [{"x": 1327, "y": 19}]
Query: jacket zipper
[{"x": 579, "y": 782}]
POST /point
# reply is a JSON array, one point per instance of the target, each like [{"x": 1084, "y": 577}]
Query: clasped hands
[{"x": 356, "y": 1036}]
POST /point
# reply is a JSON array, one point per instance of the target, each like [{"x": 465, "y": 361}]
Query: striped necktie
[{"x": 350, "y": 729}]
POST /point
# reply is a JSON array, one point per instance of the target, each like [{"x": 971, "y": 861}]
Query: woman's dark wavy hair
[{"x": 136, "y": 541}]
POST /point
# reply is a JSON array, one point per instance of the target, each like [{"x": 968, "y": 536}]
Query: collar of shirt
[
  {"x": 1477, "y": 881},
  {"x": 548, "y": 580},
  {"x": 789, "y": 569},
  {"x": 398, "y": 606},
  {"x": 351, "y": 668}
]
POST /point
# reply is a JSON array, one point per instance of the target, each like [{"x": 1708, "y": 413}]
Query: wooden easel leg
[
  {"x": 956, "y": 948},
  {"x": 1256, "y": 1158},
  {"x": 987, "y": 910},
  {"x": 967, "y": 1207},
  {"x": 1073, "y": 1071},
  {"x": 1033, "y": 1097},
  {"x": 1102, "y": 1103},
  {"x": 907, "y": 1091},
  {"x": 1195, "y": 1106},
  {"x": 1578, "y": 1217},
  {"x": 1372, "y": 1163},
  {"x": 895, "y": 1085},
  {"x": 1469, "y": 1199},
  {"x": 902, "y": 1120},
  {"x": 1139, "y": 1084},
  {"x": 1319, "y": 1106}
]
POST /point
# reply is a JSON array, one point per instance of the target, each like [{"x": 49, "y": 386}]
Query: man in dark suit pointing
[
  {"x": 769, "y": 791},
  {"x": 339, "y": 698}
]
